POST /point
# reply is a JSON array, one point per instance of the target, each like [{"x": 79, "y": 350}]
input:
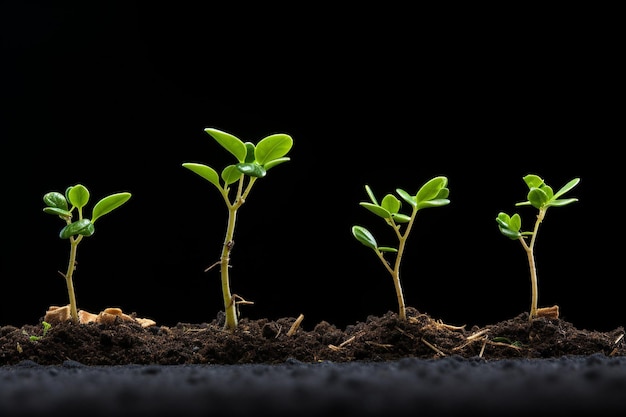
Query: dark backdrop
[{"x": 116, "y": 96}]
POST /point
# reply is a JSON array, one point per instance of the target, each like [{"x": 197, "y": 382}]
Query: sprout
[
  {"x": 540, "y": 196},
  {"x": 253, "y": 162},
  {"x": 433, "y": 193},
  {"x": 65, "y": 206}
]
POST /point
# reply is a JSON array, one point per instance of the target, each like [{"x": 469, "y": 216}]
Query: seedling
[
  {"x": 433, "y": 193},
  {"x": 540, "y": 196},
  {"x": 46, "y": 327},
  {"x": 65, "y": 206},
  {"x": 253, "y": 162}
]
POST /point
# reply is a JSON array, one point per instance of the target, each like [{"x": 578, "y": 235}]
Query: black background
[{"x": 116, "y": 96}]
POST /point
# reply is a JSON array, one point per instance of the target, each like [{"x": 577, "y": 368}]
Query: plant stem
[
  {"x": 229, "y": 302},
  {"x": 230, "y": 305},
  {"x": 395, "y": 271},
  {"x": 68, "y": 277},
  {"x": 529, "y": 248}
]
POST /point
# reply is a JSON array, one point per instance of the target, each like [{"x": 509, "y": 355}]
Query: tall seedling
[
  {"x": 542, "y": 197},
  {"x": 433, "y": 193},
  {"x": 76, "y": 229},
  {"x": 253, "y": 162}
]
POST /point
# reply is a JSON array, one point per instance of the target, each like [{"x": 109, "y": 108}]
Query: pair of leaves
[
  {"x": 434, "y": 193},
  {"x": 541, "y": 196},
  {"x": 254, "y": 160},
  {"x": 78, "y": 197}
]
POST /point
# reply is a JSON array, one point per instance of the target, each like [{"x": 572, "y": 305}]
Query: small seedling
[
  {"x": 433, "y": 193},
  {"x": 64, "y": 206},
  {"x": 253, "y": 162},
  {"x": 540, "y": 196},
  {"x": 46, "y": 327}
]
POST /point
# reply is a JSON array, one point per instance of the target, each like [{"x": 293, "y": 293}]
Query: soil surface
[{"x": 264, "y": 341}]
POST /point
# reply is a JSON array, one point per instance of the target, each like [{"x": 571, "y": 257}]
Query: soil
[{"x": 264, "y": 341}]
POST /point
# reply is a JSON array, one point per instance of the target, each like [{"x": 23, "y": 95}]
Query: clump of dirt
[{"x": 379, "y": 338}]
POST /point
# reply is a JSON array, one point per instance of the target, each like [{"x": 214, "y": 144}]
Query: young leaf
[
  {"x": 253, "y": 169},
  {"x": 231, "y": 174},
  {"x": 533, "y": 181},
  {"x": 537, "y": 197},
  {"x": 229, "y": 142},
  {"x": 509, "y": 226},
  {"x": 57, "y": 211},
  {"x": 250, "y": 152},
  {"x": 273, "y": 147},
  {"x": 275, "y": 162},
  {"x": 205, "y": 172},
  {"x": 108, "y": 204},
  {"x": 78, "y": 196},
  {"x": 431, "y": 189},
  {"x": 377, "y": 210},
  {"x": 364, "y": 236},
  {"x": 406, "y": 197},
  {"x": 370, "y": 193},
  {"x": 391, "y": 203},
  {"x": 400, "y": 218},
  {"x": 573, "y": 183},
  {"x": 387, "y": 249},
  {"x": 433, "y": 203},
  {"x": 80, "y": 227},
  {"x": 56, "y": 200}
]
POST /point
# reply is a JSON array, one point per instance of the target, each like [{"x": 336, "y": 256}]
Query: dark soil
[{"x": 265, "y": 341}]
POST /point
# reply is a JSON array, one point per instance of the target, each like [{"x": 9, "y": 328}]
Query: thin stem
[
  {"x": 529, "y": 248},
  {"x": 229, "y": 301},
  {"x": 396, "y": 269},
  {"x": 230, "y": 304},
  {"x": 69, "y": 277}
]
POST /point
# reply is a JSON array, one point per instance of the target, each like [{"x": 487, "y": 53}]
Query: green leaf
[
  {"x": 537, "y": 197},
  {"x": 387, "y": 249},
  {"x": 391, "y": 203},
  {"x": 573, "y": 183},
  {"x": 407, "y": 197},
  {"x": 364, "y": 236},
  {"x": 57, "y": 211},
  {"x": 275, "y": 162},
  {"x": 562, "y": 202},
  {"x": 511, "y": 234},
  {"x": 400, "y": 218},
  {"x": 533, "y": 181},
  {"x": 433, "y": 203},
  {"x": 80, "y": 227},
  {"x": 250, "y": 152},
  {"x": 509, "y": 226},
  {"x": 370, "y": 193},
  {"x": 253, "y": 169},
  {"x": 229, "y": 142},
  {"x": 205, "y": 172},
  {"x": 108, "y": 204},
  {"x": 377, "y": 210},
  {"x": 56, "y": 200},
  {"x": 231, "y": 174},
  {"x": 78, "y": 196},
  {"x": 431, "y": 189},
  {"x": 273, "y": 147},
  {"x": 443, "y": 194}
]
